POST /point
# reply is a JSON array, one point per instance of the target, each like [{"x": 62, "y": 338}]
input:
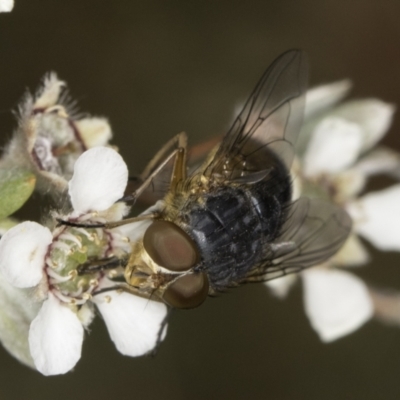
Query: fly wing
[
  {"x": 157, "y": 189},
  {"x": 270, "y": 120},
  {"x": 313, "y": 232}
]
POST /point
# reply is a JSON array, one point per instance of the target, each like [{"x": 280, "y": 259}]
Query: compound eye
[
  {"x": 188, "y": 291},
  {"x": 169, "y": 246}
]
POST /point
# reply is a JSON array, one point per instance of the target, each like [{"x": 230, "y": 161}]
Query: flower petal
[
  {"x": 348, "y": 184},
  {"x": 99, "y": 180},
  {"x": 352, "y": 254},
  {"x": 325, "y": 96},
  {"x": 334, "y": 145},
  {"x": 280, "y": 287},
  {"x": 55, "y": 338},
  {"x": 381, "y": 160},
  {"x": 133, "y": 322},
  {"x": 22, "y": 253},
  {"x": 336, "y": 302},
  {"x": 372, "y": 115},
  {"x": 6, "y": 5},
  {"x": 377, "y": 217},
  {"x": 49, "y": 93},
  {"x": 94, "y": 131}
]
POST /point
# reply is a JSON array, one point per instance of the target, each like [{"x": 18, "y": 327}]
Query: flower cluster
[
  {"x": 51, "y": 136},
  {"x": 337, "y": 154},
  {"x": 48, "y": 290},
  {"x": 47, "y": 261},
  {"x": 47, "y": 301}
]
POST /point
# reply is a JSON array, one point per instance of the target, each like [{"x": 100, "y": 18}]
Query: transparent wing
[
  {"x": 160, "y": 185},
  {"x": 270, "y": 120},
  {"x": 313, "y": 232}
]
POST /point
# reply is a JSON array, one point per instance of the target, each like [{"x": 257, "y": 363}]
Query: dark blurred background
[{"x": 156, "y": 68}]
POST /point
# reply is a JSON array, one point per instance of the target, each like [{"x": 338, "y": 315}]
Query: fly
[{"x": 231, "y": 220}]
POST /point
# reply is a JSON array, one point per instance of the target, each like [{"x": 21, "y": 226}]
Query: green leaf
[{"x": 16, "y": 186}]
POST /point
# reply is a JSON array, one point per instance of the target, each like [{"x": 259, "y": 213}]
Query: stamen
[
  {"x": 61, "y": 297},
  {"x": 51, "y": 263},
  {"x": 67, "y": 299},
  {"x": 100, "y": 233},
  {"x": 84, "y": 232},
  {"x": 71, "y": 238},
  {"x": 95, "y": 239},
  {"x": 61, "y": 246},
  {"x": 93, "y": 282},
  {"x": 93, "y": 216},
  {"x": 73, "y": 273},
  {"x": 81, "y": 283},
  {"x": 58, "y": 277},
  {"x": 83, "y": 250}
]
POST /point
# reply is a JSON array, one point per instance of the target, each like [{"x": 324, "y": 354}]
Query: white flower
[
  {"x": 336, "y": 302},
  {"x": 32, "y": 256},
  {"x": 336, "y": 158},
  {"x": 6, "y": 5},
  {"x": 339, "y": 158}
]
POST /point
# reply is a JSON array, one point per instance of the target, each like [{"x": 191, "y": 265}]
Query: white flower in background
[
  {"x": 6, "y": 5},
  {"x": 51, "y": 135},
  {"x": 32, "y": 256},
  {"x": 336, "y": 158}
]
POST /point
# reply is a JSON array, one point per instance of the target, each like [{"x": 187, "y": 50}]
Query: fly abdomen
[{"x": 232, "y": 226}]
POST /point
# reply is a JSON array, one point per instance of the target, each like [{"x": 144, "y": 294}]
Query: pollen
[
  {"x": 73, "y": 273},
  {"x": 86, "y": 296},
  {"x": 83, "y": 249},
  {"x": 95, "y": 238},
  {"x": 93, "y": 282},
  {"x": 81, "y": 283}
]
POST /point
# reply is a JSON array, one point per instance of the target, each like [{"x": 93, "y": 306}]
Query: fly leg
[
  {"x": 124, "y": 287},
  {"x": 176, "y": 147},
  {"x": 93, "y": 266},
  {"x": 132, "y": 197},
  {"x": 179, "y": 171},
  {"x": 177, "y": 142},
  {"x": 108, "y": 225},
  {"x": 153, "y": 169}
]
